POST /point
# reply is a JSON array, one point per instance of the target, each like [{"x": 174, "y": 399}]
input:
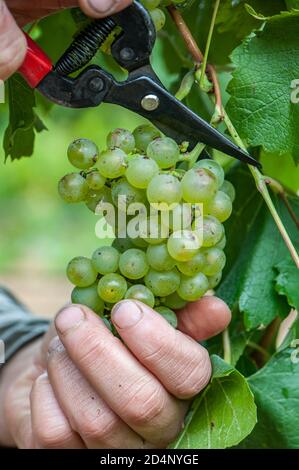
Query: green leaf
[
  {"x": 260, "y": 105},
  {"x": 216, "y": 419},
  {"x": 254, "y": 248},
  {"x": 276, "y": 393},
  {"x": 19, "y": 136},
  {"x": 292, "y": 4},
  {"x": 287, "y": 282}
]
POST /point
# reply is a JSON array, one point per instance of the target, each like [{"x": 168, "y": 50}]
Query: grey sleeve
[{"x": 17, "y": 325}]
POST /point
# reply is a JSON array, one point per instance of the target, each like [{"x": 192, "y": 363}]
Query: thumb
[
  {"x": 205, "y": 318},
  {"x": 100, "y": 8},
  {"x": 13, "y": 43}
]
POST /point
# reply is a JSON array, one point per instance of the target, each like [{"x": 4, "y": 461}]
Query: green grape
[
  {"x": 95, "y": 198},
  {"x": 88, "y": 296},
  {"x": 212, "y": 230},
  {"x": 164, "y": 151},
  {"x": 228, "y": 189},
  {"x": 193, "y": 287},
  {"x": 81, "y": 272},
  {"x": 163, "y": 191},
  {"x": 140, "y": 171},
  {"x": 194, "y": 266},
  {"x": 83, "y": 153},
  {"x": 222, "y": 242},
  {"x": 112, "y": 288},
  {"x": 199, "y": 185},
  {"x": 144, "y": 135},
  {"x": 133, "y": 264},
  {"x": 95, "y": 180},
  {"x": 214, "y": 167},
  {"x": 183, "y": 245},
  {"x": 179, "y": 218},
  {"x": 141, "y": 293},
  {"x": 174, "y": 301},
  {"x": 73, "y": 188},
  {"x": 122, "y": 244},
  {"x": 123, "y": 194},
  {"x": 112, "y": 163},
  {"x": 214, "y": 261},
  {"x": 220, "y": 206},
  {"x": 105, "y": 260},
  {"x": 215, "y": 280},
  {"x": 168, "y": 314},
  {"x": 150, "y": 4},
  {"x": 152, "y": 231},
  {"x": 159, "y": 258},
  {"x": 158, "y": 17},
  {"x": 121, "y": 138},
  {"x": 164, "y": 283}
]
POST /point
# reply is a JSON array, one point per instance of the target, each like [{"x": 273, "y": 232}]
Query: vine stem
[
  {"x": 260, "y": 181},
  {"x": 227, "y": 353},
  {"x": 209, "y": 39},
  {"x": 197, "y": 55}
]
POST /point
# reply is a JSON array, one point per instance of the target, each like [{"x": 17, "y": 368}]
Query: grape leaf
[
  {"x": 276, "y": 393},
  {"x": 260, "y": 105},
  {"x": 287, "y": 282},
  {"x": 23, "y": 121},
  {"x": 292, "y": 4},
  {"x": 254, "y": 248},
  {"x": 216, "y": 419}
]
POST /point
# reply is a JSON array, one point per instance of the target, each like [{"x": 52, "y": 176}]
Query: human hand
[
  {"x": 100, "y": 393},
  {"x": 17, "y": 13}
]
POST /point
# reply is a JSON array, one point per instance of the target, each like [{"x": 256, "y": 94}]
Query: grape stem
[
  {"x": 259, "y": 179},
  {"x": 210, "y": 35},
  {"x": 227, "y": 354}
]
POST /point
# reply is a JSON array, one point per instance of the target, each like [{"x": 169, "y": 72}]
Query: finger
[
  {"x": 50, "y": 427},
  {"x": 18, "y": 412},
  {"x": 100, "y": 8},
  {"x": 13, "y": 44},
  {"x": 88, "y": 414},
  {"x": 181, "y": 364},
  {"x": 128, "y": 388},
  {"x": 205, "y": 318}
]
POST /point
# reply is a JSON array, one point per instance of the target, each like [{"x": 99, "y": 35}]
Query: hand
[
  {"x": 100, "y": 392},
  {"x": 15, "y": 13}
]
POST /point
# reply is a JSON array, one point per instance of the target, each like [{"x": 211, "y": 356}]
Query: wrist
[{"x": 9, "y": 374}]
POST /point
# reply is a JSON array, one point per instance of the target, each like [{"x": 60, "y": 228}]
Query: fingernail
[
  {"x": 126, "y": 314},
  {"x": 55, "y": 346},
  {"x": 101, "y": 6},
  {"x": 68, "y": 318}
]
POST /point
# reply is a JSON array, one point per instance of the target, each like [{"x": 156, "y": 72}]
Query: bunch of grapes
[{"x": 172, "y": 252}]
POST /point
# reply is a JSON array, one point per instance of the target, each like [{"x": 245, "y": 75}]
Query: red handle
[{"x": 36, "y": 64}]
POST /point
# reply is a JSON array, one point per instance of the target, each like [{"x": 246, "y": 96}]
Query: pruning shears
[{"x": 142, "y": 91}]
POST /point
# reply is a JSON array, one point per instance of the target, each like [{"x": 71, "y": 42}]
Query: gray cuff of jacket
[{"x": 17, "y": 325}]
